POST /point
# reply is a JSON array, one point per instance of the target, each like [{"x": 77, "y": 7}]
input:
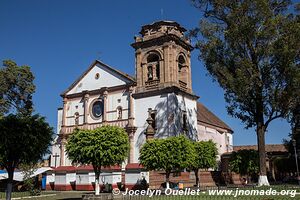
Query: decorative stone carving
[{"x": 150, "y": 131}]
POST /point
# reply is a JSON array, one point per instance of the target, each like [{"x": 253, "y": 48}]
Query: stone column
[
  {"x": 62, "y": 151},
  {"x": 172, "y": 63},
  {"x": 166, "y": 63},
  {"x": 161, "y": 71},
  {"x": 131, "y": 129},
  {"x": 131, "y": 132},
  {"x": 138, "y": 68},
  {"x": 86, "y": 108},
  {"x": 105, "y": 94},
  {"x": 189, "y": 71},
  {"x": 62, "y": 132},
  {"x": 131, "y": 106},
  {"x": 145, "y": 73},
  {"x": 64, "y": 114}
]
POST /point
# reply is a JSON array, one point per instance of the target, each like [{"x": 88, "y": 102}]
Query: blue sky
[{"x": 60, "y": 39}]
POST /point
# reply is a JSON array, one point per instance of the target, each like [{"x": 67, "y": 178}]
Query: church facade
[{"x": 158, "y": 102}]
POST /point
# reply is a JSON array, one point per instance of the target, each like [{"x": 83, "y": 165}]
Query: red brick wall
[
  {"x": 62, "y": 187},
  {"x": 87, "y": 187},
  {"x": 207, "y": 178},
  {"x": 156, "y": 178},
  {"x": 50, "y": 186},
  {"x": 232, "y": 178},
  {"x": 210, "y": 178}
]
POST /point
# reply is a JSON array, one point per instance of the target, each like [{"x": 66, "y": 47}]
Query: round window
[{"x": 97, "y": 109}]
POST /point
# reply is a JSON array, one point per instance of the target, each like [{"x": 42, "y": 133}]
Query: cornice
[
  {"x": 172, "y": 89},
  {"x": 161, "y": 40},
  {"x": 97, "y": 91}
]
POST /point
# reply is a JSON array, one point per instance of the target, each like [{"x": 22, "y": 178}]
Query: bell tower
[{"x": 163, "y": 58}]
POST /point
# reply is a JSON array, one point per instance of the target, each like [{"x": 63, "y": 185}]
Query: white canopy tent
[{"x": 19, "y": 176}]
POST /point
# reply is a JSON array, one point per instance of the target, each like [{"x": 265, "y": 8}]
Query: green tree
[
  {"x": 16, "y": 89},
  {"x": 170, "y": 154},
  {"x": 24, "y": 140},
  {"x": 28, "y": 170},
  {"x": 251, "y": 48},
  {"x": 205, "y": 153},
  {"x": 244, "y": 162},
  {"x": 285, "y": 165},
  {"x": 102, "y": 147}
]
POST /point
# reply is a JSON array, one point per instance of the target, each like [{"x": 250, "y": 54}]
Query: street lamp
[{"x": 296, "y": 159}]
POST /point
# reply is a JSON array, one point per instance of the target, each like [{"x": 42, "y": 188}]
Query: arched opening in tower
[{"x": 153, "y": 67}]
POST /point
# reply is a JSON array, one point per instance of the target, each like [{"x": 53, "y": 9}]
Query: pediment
[{"x": 97, "y": 76}]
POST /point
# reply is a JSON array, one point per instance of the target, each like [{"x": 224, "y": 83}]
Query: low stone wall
[
  {"x": 97, "y": 197},
  {"x": 232, "y": 178},
  {"x": 157, "y": 178},
  {"x": 207, "y": 178},
  {"x": 101, "y": 197},
  {"x": 210, "y": 178},
  {"x": 133, "y": 177}
]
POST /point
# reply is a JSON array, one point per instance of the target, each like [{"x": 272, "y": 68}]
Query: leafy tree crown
[
  {"x": 16, "y": 89},
  {"x": 244, "y": 162},
  {"x": 23, "y": 140},
  {"x": 251, "y": 48},
  {"x": 104, "y": 146},
  {"x": 172, "y": 153}
]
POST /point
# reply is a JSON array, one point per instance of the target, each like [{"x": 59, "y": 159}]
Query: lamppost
[
  {"x": 55, "y": 156},
  {"x": 296, "y": 159}
]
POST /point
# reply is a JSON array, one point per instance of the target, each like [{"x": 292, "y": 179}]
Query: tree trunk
[
  {"x": 97, "y": 171},
  {"x": 97, "y": 184},
  {"x": 10, "y": 172},
  {"x": 167, "y": 179},
  {"x": 263, "y": 179},
  {"x": 197, "y": 177}
]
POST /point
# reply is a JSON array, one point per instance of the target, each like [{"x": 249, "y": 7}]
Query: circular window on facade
[{"x": 97, "y": 109}]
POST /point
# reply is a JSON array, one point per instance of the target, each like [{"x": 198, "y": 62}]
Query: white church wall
[
  {"x": 55, "y": 161},
  {"x": 55, "y": 150},
  {"x": 133, "y": 177},
  {"x": 50, "y": 177},
  {"x": 82, "y": 178},
  {"x": 68, "y": 162},
  {"x": 116, "y": 177},
  {"x": 70, "y": 177},
  {"x": 89, "y": 81},
  {"x": 190, "y": 106},
  {"x": 59, "y": 120},
  {"x": 74, "y": 105},
  {"x": 222, "y": 139},
  {"x": 91, "y": 177},
  {"x": 90, "y": 118},
  {"x": 115, "y": 100},
  {"x": 106, "y": 177},
  {"x": 229, "y": 141},
  {"x": 169, "y": 109},
  {"x": 60, "y": 178},
  {"x": 141, "y": 114}
]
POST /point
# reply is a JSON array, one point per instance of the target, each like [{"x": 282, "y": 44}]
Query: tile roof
[
  {"x": 269, "y": 147},
  {"x": 134, "y": 166},
  {"x": 65, "y": 168},
  {"x": 204, "y": 115}
]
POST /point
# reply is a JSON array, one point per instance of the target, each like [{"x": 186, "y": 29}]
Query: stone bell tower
[
  {"x": 165, "y": 105},
  {"x": 162, "y": 57}
]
